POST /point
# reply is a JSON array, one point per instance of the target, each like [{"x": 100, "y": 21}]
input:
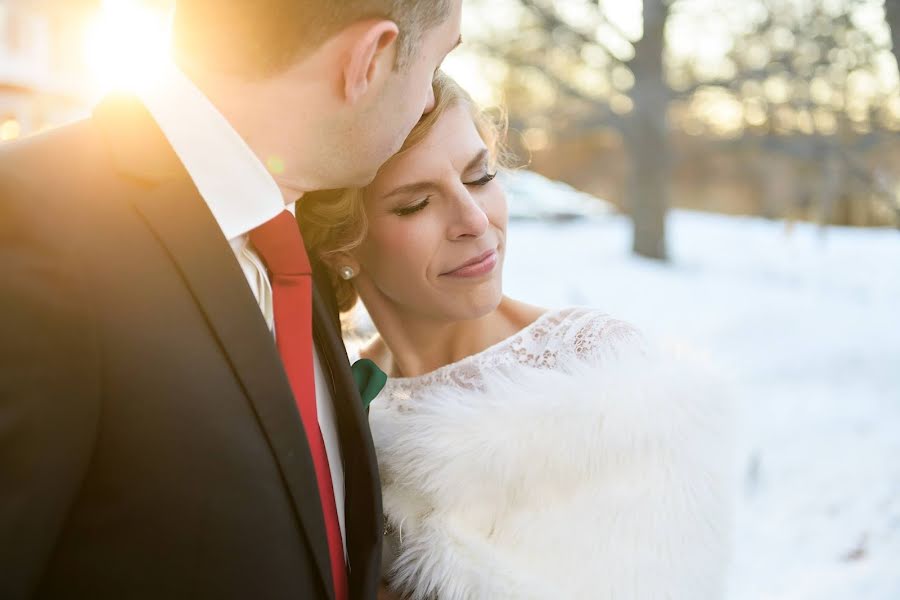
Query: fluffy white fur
[{"x": 606, "y": 480}]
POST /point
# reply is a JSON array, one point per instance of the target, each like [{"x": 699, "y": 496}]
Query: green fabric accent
[{"x": 369, "y": 380}]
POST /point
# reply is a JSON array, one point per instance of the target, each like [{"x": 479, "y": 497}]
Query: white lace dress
[{"x": 566, "y": 461}]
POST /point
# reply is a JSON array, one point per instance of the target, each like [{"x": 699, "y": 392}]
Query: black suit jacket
[{"x": 149, "y": 442}]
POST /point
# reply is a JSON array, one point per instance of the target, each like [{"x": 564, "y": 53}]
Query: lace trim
[{"x": 571, "y": 333}]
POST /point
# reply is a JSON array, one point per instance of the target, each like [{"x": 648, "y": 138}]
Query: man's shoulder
[
  {"x": 58, "y": 157},
  {"x": 62, "y": 185},
  {"x": 52, "y": 141}
]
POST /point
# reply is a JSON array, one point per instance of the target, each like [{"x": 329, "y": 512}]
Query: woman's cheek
[
  {"x": 498, "y": 211},
  {"x": 404, "y": 245}
]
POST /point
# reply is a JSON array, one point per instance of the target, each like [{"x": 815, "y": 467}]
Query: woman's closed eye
[
  {"x": 412, "y": 208},
  {"x": 486, "y": 179}
]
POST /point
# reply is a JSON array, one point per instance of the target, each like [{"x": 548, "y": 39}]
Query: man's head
[{"x": 324, "y": 91}]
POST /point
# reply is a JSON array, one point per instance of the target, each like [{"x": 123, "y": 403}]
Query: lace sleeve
[
  {"x": 553, "y": 340},
  {"x": 594, "y": 335}
]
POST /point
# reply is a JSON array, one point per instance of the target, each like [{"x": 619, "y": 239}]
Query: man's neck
[{"x": 243, "y": 104}]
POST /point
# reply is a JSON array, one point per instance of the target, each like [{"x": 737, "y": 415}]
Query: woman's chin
[{"x": 476, "y": 306}]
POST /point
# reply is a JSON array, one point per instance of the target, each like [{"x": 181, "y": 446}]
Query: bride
[{"x": 524, "y": 452}]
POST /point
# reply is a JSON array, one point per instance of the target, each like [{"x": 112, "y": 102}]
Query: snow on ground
[{"x": 807, "y": 324}]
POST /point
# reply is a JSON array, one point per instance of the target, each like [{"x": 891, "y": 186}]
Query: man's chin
[
  {"x": 341, "y": 180},
  {"x": 364, "y": 179},
  {"x": 291, "y": 190}
]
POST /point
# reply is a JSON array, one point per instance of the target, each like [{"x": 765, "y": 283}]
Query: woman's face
[{"x": 437, "y": 228}]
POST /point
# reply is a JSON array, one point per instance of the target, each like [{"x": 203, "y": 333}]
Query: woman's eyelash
[
  {"x": 408, "y": 210},
  {"x": 484, "y": 180}
]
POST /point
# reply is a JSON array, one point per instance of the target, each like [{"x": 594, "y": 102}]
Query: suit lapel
[
  {"x": 174, "y": 210},
  {"x": 362, "y": 504}
]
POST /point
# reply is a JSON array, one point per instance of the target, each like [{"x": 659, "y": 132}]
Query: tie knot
[{"x": 280, "y": 245}]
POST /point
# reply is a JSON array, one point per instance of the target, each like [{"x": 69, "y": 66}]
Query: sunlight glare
[{"x": 125, "y": 41}]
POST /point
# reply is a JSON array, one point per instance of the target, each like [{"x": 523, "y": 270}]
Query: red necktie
[{"x": 280, "y": 245}]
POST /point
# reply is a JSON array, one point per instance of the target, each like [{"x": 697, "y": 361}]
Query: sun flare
[{"x": 124, "y": 42}]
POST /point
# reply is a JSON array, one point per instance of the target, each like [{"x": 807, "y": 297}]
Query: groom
[{"x": 177, "y": 415}]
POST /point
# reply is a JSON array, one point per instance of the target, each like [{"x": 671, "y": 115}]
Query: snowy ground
[{"x": 808, "y": 324}]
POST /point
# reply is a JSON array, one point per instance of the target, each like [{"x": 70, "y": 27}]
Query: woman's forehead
[{"x": 451, "y": 144}]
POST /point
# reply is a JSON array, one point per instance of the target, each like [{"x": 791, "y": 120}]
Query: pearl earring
[{"x": 347, "y": 273}]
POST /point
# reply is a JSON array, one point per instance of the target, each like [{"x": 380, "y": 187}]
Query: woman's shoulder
[
  {"x": 581, "y": 332},
  {"x": 546, "y": 339}
]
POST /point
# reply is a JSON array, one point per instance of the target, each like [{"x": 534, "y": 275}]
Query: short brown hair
[
  {"x": 264, "y": 36},
  {"x": 334, "y": 221}
]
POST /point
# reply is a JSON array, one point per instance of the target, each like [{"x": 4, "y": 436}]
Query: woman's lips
[{"x": 482, "y": 265}]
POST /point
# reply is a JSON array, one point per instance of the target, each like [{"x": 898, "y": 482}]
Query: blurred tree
[
  {"x": 646, "y": 136},
  {"x": 812, "y": 85},
  {"x": 892, "y": 14},
  {"x": 804, "y": 80},
  {"x": 606, "y": 78}
]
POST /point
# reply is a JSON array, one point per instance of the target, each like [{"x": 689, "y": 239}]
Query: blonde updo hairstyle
[{"x": 334, "y": 221}]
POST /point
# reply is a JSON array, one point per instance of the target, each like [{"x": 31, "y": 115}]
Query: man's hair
[{"x": 264, "y": 36}]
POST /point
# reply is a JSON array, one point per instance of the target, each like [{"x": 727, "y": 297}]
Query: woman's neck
[{"x": 409, "y": 346}]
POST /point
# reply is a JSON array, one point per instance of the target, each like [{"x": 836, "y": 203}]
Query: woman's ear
[
  {"x": 372, "y": 51},
  {"x": 343, "y": 264}
]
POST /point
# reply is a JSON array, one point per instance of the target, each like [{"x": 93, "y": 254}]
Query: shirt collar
[{"x": 234, "y": 183}]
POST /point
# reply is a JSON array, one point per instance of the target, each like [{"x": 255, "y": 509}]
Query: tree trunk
[
  {"x": 646, "y": 137},
  {"x": 892, "y": 15}
]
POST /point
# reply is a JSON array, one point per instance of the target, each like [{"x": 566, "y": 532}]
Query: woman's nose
[{"x": 470, "y": 218}]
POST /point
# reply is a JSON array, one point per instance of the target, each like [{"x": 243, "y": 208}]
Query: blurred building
[{"x": 43, "y": 77}]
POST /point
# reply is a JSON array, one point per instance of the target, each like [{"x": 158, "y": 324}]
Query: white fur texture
[{"x": 609, "y": 481}]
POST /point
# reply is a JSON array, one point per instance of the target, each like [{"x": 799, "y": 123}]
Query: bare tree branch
[
  {"x": 516, "y": 61},
  {"x": 552, "y": 21}
]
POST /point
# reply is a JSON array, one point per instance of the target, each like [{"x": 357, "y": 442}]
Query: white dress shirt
[{"x": 241, "y": 194}]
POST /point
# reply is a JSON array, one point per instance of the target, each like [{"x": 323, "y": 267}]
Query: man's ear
[{"x": 372, "y": 50}]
